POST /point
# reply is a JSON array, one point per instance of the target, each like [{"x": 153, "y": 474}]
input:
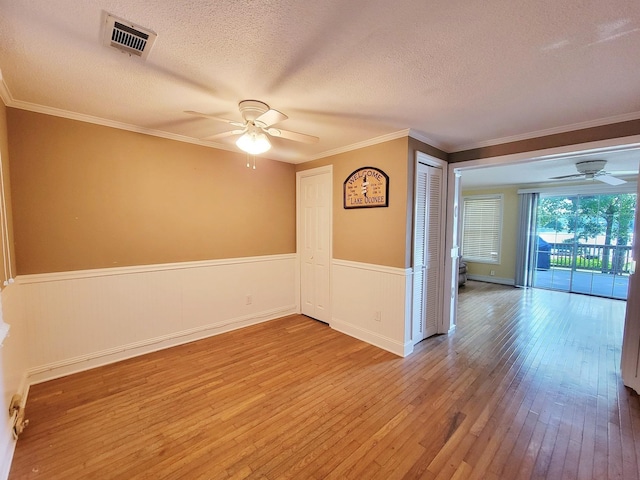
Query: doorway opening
[{"x": 583, "y": 243}]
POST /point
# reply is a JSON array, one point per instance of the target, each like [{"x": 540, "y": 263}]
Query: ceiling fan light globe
[{"x": 253, "y": 143}]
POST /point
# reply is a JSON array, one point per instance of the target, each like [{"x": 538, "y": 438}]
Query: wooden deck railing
[{"x": 602, "y": 258}]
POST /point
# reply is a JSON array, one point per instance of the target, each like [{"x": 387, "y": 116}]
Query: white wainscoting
[
  {"x": 362, "y": 293},
  {"x": 80, "y": 320}
]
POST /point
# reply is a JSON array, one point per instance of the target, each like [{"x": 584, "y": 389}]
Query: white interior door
[
  {"x": 427, "y": 252},
  {"x": 314, "y": 243}
]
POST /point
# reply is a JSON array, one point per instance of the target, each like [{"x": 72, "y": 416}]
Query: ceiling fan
[
  {"x": 257, "y": 123},
  {"x": 593, "y": 169}
]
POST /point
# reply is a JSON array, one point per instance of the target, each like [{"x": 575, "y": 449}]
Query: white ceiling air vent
[{"x": 128, "y": 37}]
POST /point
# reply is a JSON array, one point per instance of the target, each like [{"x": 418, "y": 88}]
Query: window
[{"x": 482, "y": 228}]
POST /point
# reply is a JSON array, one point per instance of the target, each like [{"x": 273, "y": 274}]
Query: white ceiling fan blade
[
  {"x": 610, "y": 180},
  {"x": 289, "y": 135},
  {"x": 575, "y": 175},
  {"x": 270, "y": 117},
  {"x": 213, "y": 117},
  {"x": 224, "y": 134}
]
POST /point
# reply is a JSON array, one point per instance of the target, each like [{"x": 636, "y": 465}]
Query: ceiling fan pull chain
[{"x": 249, "y": 161}]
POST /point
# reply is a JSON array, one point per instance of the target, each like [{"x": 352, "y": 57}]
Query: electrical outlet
[
  {"x": 378, "y": 316},
  {"x": 492, "y": 273},
  {"x": 249, "y": 300}
]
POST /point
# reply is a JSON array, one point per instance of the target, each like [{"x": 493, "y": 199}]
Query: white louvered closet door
[{"x": 428, "y": 244}]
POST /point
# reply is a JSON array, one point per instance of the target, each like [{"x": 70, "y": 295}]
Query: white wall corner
[
  {"x": 373, "y": 303},
  {"x": 372, "y": 338}
]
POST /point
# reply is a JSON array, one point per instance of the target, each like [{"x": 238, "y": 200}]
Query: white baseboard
[
  {"x": 81, "y": 363},
  {"x": 372, "y": 338},
  {"x": 489, "y": 279}
]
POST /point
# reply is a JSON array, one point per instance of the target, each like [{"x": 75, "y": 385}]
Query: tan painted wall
[
  {"x": 371, "y": 235},
  {"x": 4, "y": 156},
  {"x": 507, "y": 267},
  {"x": 87, "y": 196}
]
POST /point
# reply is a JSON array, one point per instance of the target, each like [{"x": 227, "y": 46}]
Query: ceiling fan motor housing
[
  {"x": 252, "y": 109},
  {"x": 590, "y": 167}
]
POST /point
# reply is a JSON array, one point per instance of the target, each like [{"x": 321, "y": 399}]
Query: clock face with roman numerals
[{"x": 365, "y": 188}]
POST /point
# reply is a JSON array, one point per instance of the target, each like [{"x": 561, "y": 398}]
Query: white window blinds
[{"x": 481, "y": 228}]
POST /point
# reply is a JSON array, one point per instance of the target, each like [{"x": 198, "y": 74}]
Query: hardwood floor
[{"x": 528, "y": 386}]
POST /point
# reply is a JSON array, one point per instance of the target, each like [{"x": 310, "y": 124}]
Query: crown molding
[
  {"x": 550, "y": 131},
  {"x": 376, "y": 140},
  {"x": 32, "y": 107},
  {"x": 355, "y": 146},
  {"x": 56, "y": 112},
  {"x": 9, "y": 101},
  {"x": 429, "y": 141},
  {"x": 5, "y": 94}
]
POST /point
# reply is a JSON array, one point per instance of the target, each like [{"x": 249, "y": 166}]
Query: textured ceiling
[{"x": 457, "y": 73}]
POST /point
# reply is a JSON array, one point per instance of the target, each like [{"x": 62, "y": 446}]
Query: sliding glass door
[{"x": 583, "y": 243}]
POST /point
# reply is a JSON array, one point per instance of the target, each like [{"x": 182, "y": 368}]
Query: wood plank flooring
[{"x": 527, "y": 387}]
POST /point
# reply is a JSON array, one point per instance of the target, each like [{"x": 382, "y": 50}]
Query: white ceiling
[{"x": 458, "y": 74}]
